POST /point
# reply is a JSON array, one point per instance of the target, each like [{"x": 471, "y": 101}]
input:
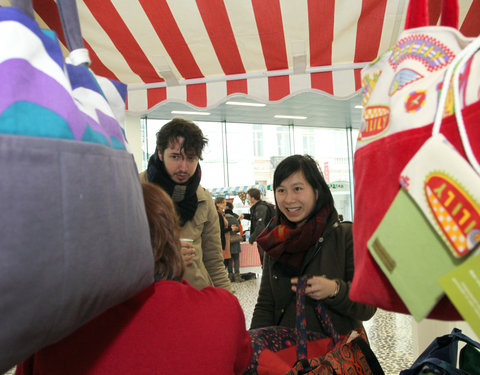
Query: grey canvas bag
[{"x": 74, "y": 235}]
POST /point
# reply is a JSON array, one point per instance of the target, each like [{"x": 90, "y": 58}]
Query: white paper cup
[{"x": 187, "y": 240}]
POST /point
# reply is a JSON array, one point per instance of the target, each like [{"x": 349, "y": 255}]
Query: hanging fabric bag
[
  {"x": 433, "y": 224},
  {"x": 400, "y": 97},
  {"x": 75, "y": 239},
  {"x": 282, "y": 350}
]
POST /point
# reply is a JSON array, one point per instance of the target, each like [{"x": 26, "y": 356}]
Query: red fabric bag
[
  {"x": 401, "y": 92},
  {"x": 281, "y": 350}
]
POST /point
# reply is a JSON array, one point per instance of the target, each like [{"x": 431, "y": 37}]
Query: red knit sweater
[{"x": 169, "y": 328}]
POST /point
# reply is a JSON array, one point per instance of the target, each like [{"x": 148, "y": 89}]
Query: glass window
[
  {"x": 283, "y": 141},
  {"x": 236, "y": 155},
  {"x": 308, "y": 143},
  {"x": 258, "y": 140}
]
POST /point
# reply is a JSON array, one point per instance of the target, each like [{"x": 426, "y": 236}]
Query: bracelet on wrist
[{"x": 337, "y": 289}]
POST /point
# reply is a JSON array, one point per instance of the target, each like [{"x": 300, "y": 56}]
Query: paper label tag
[
  {"x": 462, "y": 286},
  {"x": 446, "y": 188}
]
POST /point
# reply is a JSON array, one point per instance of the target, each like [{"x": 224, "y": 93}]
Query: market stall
[{"x": 240, "y": 191}]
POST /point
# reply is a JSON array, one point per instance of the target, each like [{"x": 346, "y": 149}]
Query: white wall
[{"x": 133, "y": 132}]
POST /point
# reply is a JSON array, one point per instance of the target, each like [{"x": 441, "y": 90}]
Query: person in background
[
  {"x": 258, "y": 216},
  {"x": 168, "y": 328},
  {"x": 225, "y": 230},
  {"x": 235, "y": 239},
  {"x": 306, "y": 238},
  {"x": 175, "y": 167}
]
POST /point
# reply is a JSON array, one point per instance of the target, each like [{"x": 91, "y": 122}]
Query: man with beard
[{"x": 175, "y": 168}]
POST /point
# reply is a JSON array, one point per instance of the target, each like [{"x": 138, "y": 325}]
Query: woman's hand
[
  {"x": 318, "y": 287},
  {"x": 188, "y": 253}
]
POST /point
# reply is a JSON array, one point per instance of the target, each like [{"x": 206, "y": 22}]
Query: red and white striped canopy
[{"x": 202, "y": 51}]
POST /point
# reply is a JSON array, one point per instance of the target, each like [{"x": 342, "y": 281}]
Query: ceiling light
[
  {"x": 246, "y": 104},
  {"x": 292, "y": 117},
  {"x": 359, "y": 106},
  {"x": 191, "y": 113}
]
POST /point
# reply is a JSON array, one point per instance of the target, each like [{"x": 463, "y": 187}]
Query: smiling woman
[
  {"x": 296, "y": 198},
  {"x": 306, "y": 238}
]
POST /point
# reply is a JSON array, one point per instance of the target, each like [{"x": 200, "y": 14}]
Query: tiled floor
[{"x": 390, "y": 334}]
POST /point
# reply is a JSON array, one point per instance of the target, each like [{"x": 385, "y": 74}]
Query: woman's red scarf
[{"x": 289, "y": 245}]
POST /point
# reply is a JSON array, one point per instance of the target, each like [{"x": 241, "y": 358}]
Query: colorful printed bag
[
  {"x": 442, "y": 183},
  {"x": 434, "y": 222},
  {"x": 401, "y": 91},
  {"x": 281, "y": 350},
  {"x": 75, "y": 239}
]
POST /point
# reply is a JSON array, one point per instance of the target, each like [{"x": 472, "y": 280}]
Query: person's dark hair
[
  {"x": 179, "y": 127},
  {"x": 254, "y": 193},
  {"x": 164, "y": 233},
  {"x": 312, "y": 174},
  {"x": 229, "y": 205},
  {"x": 219, "y": 200}
]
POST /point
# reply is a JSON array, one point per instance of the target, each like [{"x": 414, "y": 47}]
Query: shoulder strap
[{"x": 300, "y": 321}]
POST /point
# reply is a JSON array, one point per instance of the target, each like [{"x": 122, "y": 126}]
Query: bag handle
[
  {"x": 68, "y": 12},
  {"x": 417, "y": 14},
  {"x": 301, "y": 331},
  {"x": 452, "y": 73},
  {"x": 451, "y": 339},
  {"x": 369, "y": 356},
  {"x": 449, "y": 369},
  {"x": 457, "y": 334},
  {"x": 300, "y": 321}
]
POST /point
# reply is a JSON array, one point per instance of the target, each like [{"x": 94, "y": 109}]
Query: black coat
[
  {"x": 223, "y": 230},
  {"x": 332, "y": 256},
  {"x": 258, "y": 217}
]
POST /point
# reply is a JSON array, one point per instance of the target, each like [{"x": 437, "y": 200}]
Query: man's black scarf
[{"x": 184, "y": 196}]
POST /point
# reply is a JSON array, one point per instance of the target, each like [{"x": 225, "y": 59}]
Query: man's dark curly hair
[{"x": 179, "y": 127}]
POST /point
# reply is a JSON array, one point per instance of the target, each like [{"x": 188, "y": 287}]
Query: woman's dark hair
[
  {"x": 229, "y": 205},
  {"x": 164, "y": 233},
  {"x": 313, "y": 175}
]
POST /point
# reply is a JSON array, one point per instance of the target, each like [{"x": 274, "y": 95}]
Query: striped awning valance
[
  {"x": 201, "y": 51},
  {"x": 234, "y": 190}
]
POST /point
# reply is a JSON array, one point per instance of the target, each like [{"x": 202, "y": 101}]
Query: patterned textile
[
  {"x": 80, "y": 109},
  {"x": 301, "y": 321},
  {"x": 348, "y": 357},
  {"x": 289, "y": 245},
  {"x": 401, "y": 99},
  {"x": 289, "y": 344},
  {"x": 280, "y": 350},
  {"x": 71, "y": 205},
  {"x": 277, "y": 339}
]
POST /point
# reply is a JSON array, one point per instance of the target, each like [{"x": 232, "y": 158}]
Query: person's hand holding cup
[{"x": 188, "y": 251}]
